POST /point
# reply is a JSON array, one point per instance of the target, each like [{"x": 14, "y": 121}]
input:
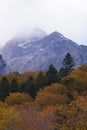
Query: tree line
[{"x": 31, "y": 85}]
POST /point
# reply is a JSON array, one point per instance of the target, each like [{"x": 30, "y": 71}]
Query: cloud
[{"x": 65, "y": 16}]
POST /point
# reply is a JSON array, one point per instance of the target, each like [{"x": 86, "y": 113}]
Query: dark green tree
[
  {"x": 4, "y": 88},
  {"x": 51, "y": 75},
  {"x": 23, "y": 87},
  {"x": 68, "y": 65},
  {"x": 14, "y": 87},
  {"x": 62, "y": 72},
  {"x": 40, "y": 81},
  {"x": 30, "y": 87}
]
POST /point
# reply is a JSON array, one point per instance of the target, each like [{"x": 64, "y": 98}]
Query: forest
[{"x": 55, "y": 99}]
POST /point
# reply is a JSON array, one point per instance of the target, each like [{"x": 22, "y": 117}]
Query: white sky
[{"x": 68, "y": 17}]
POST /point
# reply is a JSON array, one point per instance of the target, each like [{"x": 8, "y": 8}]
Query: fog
[{"x": 68, "y": 17}]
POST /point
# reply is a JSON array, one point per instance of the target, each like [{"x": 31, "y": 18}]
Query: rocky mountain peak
[{"x": 40, "y": 53}]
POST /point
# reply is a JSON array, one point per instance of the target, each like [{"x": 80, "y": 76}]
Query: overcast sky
[{"x": 68, "y": 17}]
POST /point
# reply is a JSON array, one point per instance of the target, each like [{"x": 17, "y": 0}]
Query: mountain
[
  {"x": 37, "y": 53},
  {"x": 14, "y": 47},
  {"x": 3, "y": 66}
]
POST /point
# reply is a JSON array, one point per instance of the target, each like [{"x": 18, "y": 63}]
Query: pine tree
[
  {"x": 40, "y": 81},
  {"x": 68, "y": 65},
  {"x": 30, "y": 87},
  {"x": 14, "y": 87},
  {"x": 51, "y": 75},
  {"x": 4, "y": 88}
]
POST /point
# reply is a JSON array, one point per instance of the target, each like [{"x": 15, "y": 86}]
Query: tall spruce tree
[
  {"x": 40, "y": 81},
  {"x": 4, "y": 88},
  {"x": 30, "y": 87},
  {"x": 14, "y": 87},
  {"x": 51, "y": 75},
  {"x": 68, "y": 65}
]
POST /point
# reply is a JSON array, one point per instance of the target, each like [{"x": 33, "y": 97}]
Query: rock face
[
  {"x": 37, "y": 53},
  {"x": 3, "y": 66}
]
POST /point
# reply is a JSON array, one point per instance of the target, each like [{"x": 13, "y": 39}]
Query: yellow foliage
[
  {"x": 18, "y": 98},
  {"x": 51, "y": 96},
  {"x": 14, "y": 75},
  {"x": 55, "y": 89},
  {"x": 10, "y": 119},
  {"x": 72, "y": 116},
  {"x": 83, "y": 68},
  {"x": 77, "y": 80},
  {"x": 20, "y": 77},
  {"x": 23, "y": 77},
  {"x": 36, "y": 120}
]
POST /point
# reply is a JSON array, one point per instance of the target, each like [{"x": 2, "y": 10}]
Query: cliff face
[{"x": 3, "y": 66}]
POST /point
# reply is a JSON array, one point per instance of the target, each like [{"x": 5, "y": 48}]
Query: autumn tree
[
  {"x": 18, "y": 98},
  {"x": 51, "y": 96},
  {"x": 77, "y": 80},
  {"x": 10, "y": 118},
  {"x": 72, "y": 116}
]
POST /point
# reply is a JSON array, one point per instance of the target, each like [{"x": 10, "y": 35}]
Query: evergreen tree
[
  {"x": 23, "y": 87},
  {"x": 68, "y": 65},
  {"x": 51, "y": 75},
  {"x": 40, "y": 81},
  {"x": 62, "y": 72},
  {"x": 30, "y": 87},
  {"x": 14, "y": 87},
  {"x": 4, "y": 88}
]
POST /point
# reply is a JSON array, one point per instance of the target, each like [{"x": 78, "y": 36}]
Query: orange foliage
[
  {"x": 55, "y": 89},
  {"x": 18, "y": 98},
  {"x": 51, "y": 96},
  {"x": 13, "y": 75},
  {"x": 34, "y": 119},
  {"x": 77, "y": 80},
  {"x": 10, "y": 119},
  {"x": 72, "y": 116}
]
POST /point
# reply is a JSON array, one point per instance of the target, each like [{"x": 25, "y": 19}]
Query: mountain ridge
[{"x": 39, "y": 54}]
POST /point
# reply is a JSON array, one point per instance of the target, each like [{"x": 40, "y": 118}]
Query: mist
[{"x": 65, "y": 16}]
